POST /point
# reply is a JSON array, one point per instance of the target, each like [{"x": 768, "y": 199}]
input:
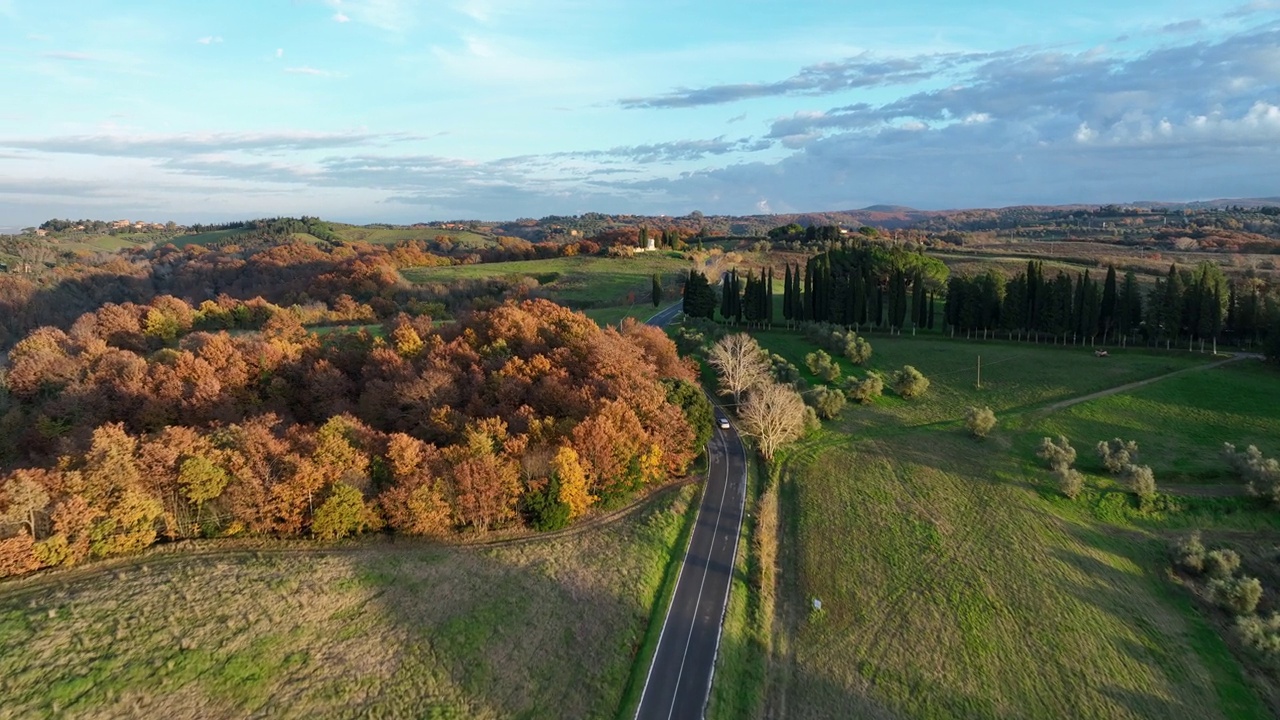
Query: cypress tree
[
  {"x": 1171, "y": 305},
  {"x": 1129, "y": 310},
  {"x": 1108, "y": 309},
  {"x": 1077, "y": 312},
  {"x": 808, "y": 291},
  {"x": 768, "y": 299},
  {"x": 657, "y": 290},
  {"x": 737, "y": 298},
  {"x": 726, "y": 283},
  {"x": 786, "y": 291}
]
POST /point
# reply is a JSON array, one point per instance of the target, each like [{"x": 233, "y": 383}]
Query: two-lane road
[{"x": 679, "y": 680}]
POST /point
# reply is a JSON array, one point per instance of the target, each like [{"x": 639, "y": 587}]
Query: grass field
[
  {"x": 387, "y": 236},
  {"x": 579, "y": 282},
  {"x": 955, "y": 582},
  {"x": 540, "y": 629},
  {"x": 207, "y": 238}
]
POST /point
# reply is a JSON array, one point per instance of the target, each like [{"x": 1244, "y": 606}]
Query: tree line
[
  {"x": 854, "y": 284},
  {"x": 1183, "y": 307}
]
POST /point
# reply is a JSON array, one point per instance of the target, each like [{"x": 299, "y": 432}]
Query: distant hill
[{"x": 1247, "y": 203}]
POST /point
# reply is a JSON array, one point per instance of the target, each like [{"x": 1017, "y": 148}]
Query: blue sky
[{"x": 400, "y": 111}]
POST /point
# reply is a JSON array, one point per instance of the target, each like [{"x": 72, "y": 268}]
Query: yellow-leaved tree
[{"x": 573, "y": 482}]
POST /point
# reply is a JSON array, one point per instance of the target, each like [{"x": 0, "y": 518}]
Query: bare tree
[
  {"x": 741, "y": 364},
  {"x": 774, "y": 416},
  {"x": 25, "y": 497}
]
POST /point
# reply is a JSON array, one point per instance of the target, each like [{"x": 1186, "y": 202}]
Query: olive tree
[{"x": 979, "y": 420}]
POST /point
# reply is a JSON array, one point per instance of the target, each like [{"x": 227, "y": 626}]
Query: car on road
[{"x": 724, "y": 423}]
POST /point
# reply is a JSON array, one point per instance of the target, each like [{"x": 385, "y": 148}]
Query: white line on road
[
  {"x": 706, "y": 568},
  {"x": 742, "y": 506}
]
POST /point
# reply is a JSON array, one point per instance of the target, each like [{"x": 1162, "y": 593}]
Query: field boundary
[{"x": 1064, "y": 404}]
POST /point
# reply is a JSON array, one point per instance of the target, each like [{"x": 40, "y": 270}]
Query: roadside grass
[
  {"x": 579, "y": 282},
  {"x": 547, "y": 628},
  {"x": 954, "y": 579}
]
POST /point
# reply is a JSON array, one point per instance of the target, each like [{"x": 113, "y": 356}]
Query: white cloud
[
  {"x": 279, "y": 52},
  {"x": 314, "y": 72},
  {"x": 394, "y": 16},
  {"x": 210, "y": 40},
  {"x": 187, "y": 144},
  {"x": 67, "y": 55}
]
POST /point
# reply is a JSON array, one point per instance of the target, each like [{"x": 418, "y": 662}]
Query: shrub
[
  {"x": 856, "y": 348},
  {"x": 1262, "y": 635},
  {"x": 1261, "y": 473},
  {"x": 1190, "y": 553},
  {"x": 1070, "y": 481},
  {"x": 827, "y": 402},
  {"x": 1057, "y": 453},
  {"x": 821, "y": 364},
  {"x": 1117, "y": 454},
  {"x": 979, "y": 421},
  {"x": 1221, "y": 563},
  {"x": 866, "y": 390},
  {"x": 784, "y": 371},
  {"x": 1239, "y": 595},
  {"x": 1142, "y": 481},
  {"x": 839, "y": 341},
  {"x": 909, "y": 382},
  {"x": 811, "y": 421}
]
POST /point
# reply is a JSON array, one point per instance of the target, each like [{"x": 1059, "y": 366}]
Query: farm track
[{"x": 1064, "y": 404}]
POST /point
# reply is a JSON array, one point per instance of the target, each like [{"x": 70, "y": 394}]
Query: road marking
[
  {"x": 706, "y": 568},
  {"x": 737, "y": 535}
]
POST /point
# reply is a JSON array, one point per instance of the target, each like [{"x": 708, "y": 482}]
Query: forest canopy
[{"x": 144, "y": 422}]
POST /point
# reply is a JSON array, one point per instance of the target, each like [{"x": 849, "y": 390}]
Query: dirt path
[{"x": 1064, "y": 404}]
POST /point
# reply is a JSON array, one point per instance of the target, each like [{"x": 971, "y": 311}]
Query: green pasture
[
  {"x": 956, "y": 582},
  {"x": 579, "y": 281}
]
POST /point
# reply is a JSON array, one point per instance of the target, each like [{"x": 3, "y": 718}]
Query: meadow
[
  {"x": 578, "y": 282},
  {"x": 543, "y": 628},
  {"x": 956, "y": 581}
]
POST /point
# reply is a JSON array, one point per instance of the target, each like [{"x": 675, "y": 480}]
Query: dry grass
[{"x": 541, "y": 629}]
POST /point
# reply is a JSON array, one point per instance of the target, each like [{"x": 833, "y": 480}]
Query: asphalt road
[{"x": 679, "y": 680}]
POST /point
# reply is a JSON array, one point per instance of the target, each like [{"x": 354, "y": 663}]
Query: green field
[
  {"x": 388, "y": 236},
  {"x": 207, "y": 238},
  {"x": 956, "y": 582},
  {"x": 541, "y": 629},
  {"x": 579, "y": 282}
]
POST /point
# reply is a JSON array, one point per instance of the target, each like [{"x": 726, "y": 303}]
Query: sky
[{"x": 403, "y": 111}]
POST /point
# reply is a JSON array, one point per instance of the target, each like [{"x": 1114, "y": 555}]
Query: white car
[{"x": 724, "y": 423}]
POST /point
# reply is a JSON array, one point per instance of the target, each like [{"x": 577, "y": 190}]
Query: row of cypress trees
[{"x": 1186, "y": 305}]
